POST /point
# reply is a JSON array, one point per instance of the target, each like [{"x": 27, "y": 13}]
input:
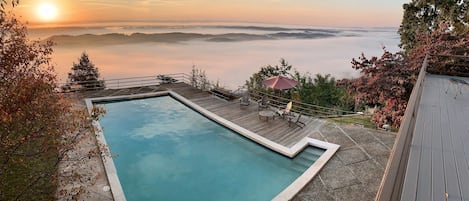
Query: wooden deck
[
  {"x": 276, "y": 130},
  {"x": 438, "y": 165}
]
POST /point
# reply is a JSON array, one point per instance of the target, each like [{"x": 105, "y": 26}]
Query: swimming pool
[{"x": 167, "y": 151}]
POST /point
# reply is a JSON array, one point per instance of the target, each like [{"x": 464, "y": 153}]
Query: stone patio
[{"x": 355, "y": 172}]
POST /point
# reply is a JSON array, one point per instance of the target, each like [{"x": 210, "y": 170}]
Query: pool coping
[{"x": 287, "y": 194}]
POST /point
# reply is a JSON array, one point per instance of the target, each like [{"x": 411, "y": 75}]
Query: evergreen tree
[{"x": 85, "y": 74}]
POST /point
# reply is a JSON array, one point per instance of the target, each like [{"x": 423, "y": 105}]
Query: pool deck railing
[{"x": 196, "y": 82}]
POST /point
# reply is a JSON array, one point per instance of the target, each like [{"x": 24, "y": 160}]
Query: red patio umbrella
[{"x": 280, "y": 82}]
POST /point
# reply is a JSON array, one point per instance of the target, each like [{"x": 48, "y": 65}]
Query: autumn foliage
[
  {"x": 435, "y": 28},
  {"x": 426, "y": 16},
  {"x": 387, "y": 81},
  {"x": 38, "y": 126},
  {"x": 449, "y": 52}
]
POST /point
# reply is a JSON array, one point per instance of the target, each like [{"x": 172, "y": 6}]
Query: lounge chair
[
  {"x": 263, "y": 103},
  {"x": 245, "y": 100},
  {"x": 296, "y": 121},
  {"x": 286, "y": 112}
]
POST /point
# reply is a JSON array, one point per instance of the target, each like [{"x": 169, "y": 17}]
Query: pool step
[
  {"x": 305, "y": 159},
  {"x": 314, "y": 151},
  {"x": 309, "y": 157}
]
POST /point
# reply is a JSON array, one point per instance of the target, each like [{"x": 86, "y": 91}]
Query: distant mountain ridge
[
  {"x": 176, "y": 37},
  {"x": 114, "y": 35}
]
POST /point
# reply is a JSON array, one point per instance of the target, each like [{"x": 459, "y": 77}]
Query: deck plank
[
  {"x": 425, "y": 167},
  {"x": 438, "y": 191},
  {"x": 438, "y": 164},
  {"x": 410, "y": 181},
  {"x": 452, "y": 184},
  {"x": 461, "y": 163}
]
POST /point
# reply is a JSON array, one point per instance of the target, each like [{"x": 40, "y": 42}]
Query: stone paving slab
[
  {"x": 376, "y": 149},
  {"x": 353, "y": 193},
  {"x": 315, "y": 191},
  {"x": 351, "y": 155},
  {"x": 334, "y": 135},
  {"x": 336, "y": 175},
  {"x": 359, "y": 135},
  {"x": 355, "y": 172},
  {"x": 367, "y": 171},
  {"x": 387, "y": 139}
]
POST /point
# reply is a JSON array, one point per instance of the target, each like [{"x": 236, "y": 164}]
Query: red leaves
[
  {"x": 31, "y": 116},
  {"x": 386, "y": 81}
]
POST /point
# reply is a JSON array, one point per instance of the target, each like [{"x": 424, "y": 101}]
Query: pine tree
[{"x": 85, "y": 74}]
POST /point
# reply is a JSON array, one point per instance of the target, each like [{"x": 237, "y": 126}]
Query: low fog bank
[
  {"x": 175, "y": 37},
  {"x": 230, "y": 63},
  {"x": 44, "y": 32},
  {"x": 228, "y": 54}
]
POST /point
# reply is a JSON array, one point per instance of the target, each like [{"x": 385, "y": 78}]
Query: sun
[{"x": 46, "y": 12}]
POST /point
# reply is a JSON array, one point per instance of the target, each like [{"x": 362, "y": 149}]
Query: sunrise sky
[{"x": 344, "y": 13}]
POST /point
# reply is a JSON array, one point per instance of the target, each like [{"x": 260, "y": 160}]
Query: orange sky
[{"x": 369, "y": 13}]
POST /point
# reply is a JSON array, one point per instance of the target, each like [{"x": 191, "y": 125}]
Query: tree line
[
  {"x": 386, "y": 81},
  {"x": 428, "y": 28},
  {"x": 321, "y": 90}
]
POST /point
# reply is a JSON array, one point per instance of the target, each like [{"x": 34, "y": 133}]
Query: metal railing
[
  {"x": 156, "y": 80},
  {"x": 394, "y": 174},
  {"x": 299, "y": 107},
  {"x": 125, "y": 82}
]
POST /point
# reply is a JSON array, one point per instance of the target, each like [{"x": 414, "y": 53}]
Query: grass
[{"x": 359, "y": 119}]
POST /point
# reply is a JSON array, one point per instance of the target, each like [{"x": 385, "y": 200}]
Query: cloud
[{"x": 131, "y": 4}]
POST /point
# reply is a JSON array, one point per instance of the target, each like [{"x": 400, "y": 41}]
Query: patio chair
[
  {"x": 296, "y": 121},
  {"x": 286, "y": 112},
  {"x": 245, "y": 100},
  {"x": 263, "y": 103}
]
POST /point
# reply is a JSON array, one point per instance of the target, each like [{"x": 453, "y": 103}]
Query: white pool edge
[
  {"x": 287, "y": 194},
  {"x": 109, "y": 167}
]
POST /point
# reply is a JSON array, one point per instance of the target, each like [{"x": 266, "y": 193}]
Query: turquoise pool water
[{"x": 167, "y": 151}]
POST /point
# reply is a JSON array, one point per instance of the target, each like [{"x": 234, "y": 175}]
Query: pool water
[{"x": 167, "y": 151}]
